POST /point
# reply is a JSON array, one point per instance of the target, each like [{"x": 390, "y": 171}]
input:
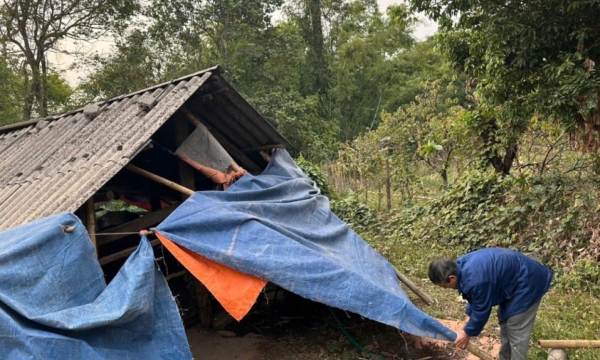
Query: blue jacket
[{"x": 493, "y": 276}]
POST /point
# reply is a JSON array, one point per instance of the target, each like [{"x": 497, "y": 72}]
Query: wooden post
[
  {"x": 91, "y": 222},
  {"x": 406, "y": 281}
]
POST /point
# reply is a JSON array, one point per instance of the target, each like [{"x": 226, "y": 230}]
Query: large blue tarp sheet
[
  {"x": 278, "y": 227},
  {"x": 55, "y": 304}
]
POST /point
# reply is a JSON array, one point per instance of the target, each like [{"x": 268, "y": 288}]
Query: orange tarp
[{"x": 236, "y": 291}]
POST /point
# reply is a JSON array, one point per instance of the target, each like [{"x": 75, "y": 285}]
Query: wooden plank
[{"x": 143, "y": 223}]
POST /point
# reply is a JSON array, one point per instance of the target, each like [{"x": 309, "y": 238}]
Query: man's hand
[{"x": 462, "y": 340}]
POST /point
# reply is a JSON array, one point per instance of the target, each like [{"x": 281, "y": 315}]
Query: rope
[{"x": 353, "y": 340}]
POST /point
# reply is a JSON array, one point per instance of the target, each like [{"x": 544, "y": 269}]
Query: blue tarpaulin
[
  {"x": 278, "y": 227},
  {"x": 55, "y": 304}
]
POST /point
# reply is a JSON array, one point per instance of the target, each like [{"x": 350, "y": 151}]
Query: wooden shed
[{"x": 148, "y": 149}]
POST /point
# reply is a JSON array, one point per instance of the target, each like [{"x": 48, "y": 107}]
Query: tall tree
[
  {"x": 35, "y": 27},
  {"x": 525, "y": 58}
]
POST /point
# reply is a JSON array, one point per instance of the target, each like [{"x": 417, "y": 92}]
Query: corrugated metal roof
[{"x": 53, "y": 165}]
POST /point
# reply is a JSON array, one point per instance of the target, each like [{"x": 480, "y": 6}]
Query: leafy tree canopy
[{"x": 526, "y": 58}]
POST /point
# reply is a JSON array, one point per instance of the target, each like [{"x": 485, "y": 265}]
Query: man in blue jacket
[{"x": 490, "y": 277}]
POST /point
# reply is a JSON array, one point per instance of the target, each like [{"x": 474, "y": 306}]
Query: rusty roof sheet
[{"x": 53, "y": 165}]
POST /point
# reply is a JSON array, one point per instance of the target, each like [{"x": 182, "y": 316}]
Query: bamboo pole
[
  {"x": 473, "y": 349},
  {"x": 568, "y": 344},
  {"x": 159, "y": 179},
  {"x": 406, "y": 281}
]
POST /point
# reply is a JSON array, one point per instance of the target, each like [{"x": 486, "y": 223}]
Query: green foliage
[
  {"x": 358, "y": 216},
  {"x": 58, "y": 92},
  {"x": 423, "y": 140},
  {"x": 583, "y": 277},
  {"x": 482, "y": 209},
  {"x": 324, "y": 71},
  {"x": 116, "y": 206},
  {"x": 10, "y": 111},
  {"x": 132, "y": 66},
  {"x": 535, "y": 58},
  {"x": 316, "y": 175}
]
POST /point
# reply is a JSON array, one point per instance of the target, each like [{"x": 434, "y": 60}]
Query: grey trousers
[{"x": 515, "y": 334}]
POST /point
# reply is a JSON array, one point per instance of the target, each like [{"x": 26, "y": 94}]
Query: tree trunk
[
  {"x": 388, "y": 185},
  {"x": 28, "y": 100},
  {"x": 316, "y": 44},
  {"x": 501, "y": 164}
]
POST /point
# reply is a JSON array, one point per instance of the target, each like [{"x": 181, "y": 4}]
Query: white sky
[{"x": 62, "y": 61}]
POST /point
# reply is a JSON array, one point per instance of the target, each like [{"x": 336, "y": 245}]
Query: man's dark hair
[{"x": 440, "y": 269}]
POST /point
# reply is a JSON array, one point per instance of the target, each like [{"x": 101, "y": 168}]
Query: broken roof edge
[{"x": 216, "y": 70}]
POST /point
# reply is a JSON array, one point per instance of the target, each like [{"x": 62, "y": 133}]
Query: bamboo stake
[
  {"x": 159, "y": 179},
  {"x": 406, "y": 281},
  {"x": 568, "y": 344}
]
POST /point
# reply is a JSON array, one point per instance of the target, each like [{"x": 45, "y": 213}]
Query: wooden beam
[
  {"x": 159, "y": 179},
  {"x": 568, "y": 344},
  {"x": 123, "y": 253},
  {"x": 143, "y": 223}
]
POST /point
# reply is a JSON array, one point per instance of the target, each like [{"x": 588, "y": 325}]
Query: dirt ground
[
  {"x": 315, "y": 332},
  {"x": 216, "y": 345}
]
